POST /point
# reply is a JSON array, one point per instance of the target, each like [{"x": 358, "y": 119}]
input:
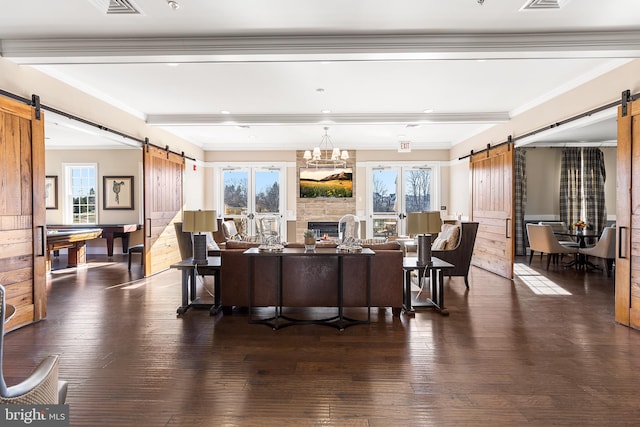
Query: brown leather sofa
[{"x": 312, "y": 281}]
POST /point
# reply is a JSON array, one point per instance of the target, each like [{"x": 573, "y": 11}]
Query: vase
[{"x": 309, "y": 243}]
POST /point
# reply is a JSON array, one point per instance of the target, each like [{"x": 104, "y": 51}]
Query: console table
[
  {"x": 279, "y": 320},
  {"x": 436, "y": 283},
  {"x": 189, "y": 273}
]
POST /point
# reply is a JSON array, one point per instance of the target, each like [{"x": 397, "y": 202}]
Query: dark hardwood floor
[{"x": 541, "y": 350}]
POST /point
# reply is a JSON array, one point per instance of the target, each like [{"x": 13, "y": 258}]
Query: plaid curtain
[
  {"x": 520, "y": 198},
  {"x": 593, "y": 180},
  {"x": 571, "y": 185}
]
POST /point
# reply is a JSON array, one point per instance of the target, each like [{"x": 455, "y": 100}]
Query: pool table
[
  {"x": 75, "y": 240},
  {"x": 109, "y": 232}
]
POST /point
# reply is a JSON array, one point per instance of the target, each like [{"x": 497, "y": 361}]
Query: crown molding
[
  {"x": 586, "y": 44},
  {"x": 297, "y": 119}
]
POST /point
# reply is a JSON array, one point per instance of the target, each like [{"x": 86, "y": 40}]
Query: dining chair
[
  {"x": 558, "y": 228},
  {"x": 42, "y": 387},
  {"x": 605, "y": 248},
  {"x": 542, "y": 239}
]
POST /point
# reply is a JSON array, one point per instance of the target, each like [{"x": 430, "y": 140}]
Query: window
[
  {"x": 81, "y": 194},
  {"x": 249, "y": 193},
  {"x": 396, "y": 191}
]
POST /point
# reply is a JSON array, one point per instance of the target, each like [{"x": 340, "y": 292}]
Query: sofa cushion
[
  {"x": 240, "y": 244},
  {"x": 383, "y": 246}
]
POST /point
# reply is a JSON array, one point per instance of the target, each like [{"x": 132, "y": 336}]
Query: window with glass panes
[{"x": 82, "y": 193}]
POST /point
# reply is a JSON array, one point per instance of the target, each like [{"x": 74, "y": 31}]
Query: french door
[
  {"x": 249, "y": 193},
  {"x": 396, "y": 191}
]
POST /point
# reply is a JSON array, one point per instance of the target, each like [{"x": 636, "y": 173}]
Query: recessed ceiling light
[
  {"x": 225, "y": 112},
  {"x": 172, "y": 64},
  {"x": 320, "y": 89},
  {"x": 326, "y": 111},
  {"x": 428, "y": 110},
  {"x": 413, "y": 125},
  {"x": 173, "y": 4}
]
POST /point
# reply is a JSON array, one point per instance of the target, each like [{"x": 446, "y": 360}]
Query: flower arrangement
[
  {"x": 579, "y": 225},
  {"x": 308, "y": 233}
]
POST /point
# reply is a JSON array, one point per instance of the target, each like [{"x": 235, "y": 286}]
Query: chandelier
[{"x": 325, "y": 155}]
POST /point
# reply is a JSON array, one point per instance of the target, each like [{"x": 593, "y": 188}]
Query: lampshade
[
  {"x": 423, "y": 222},
  {"x": 199, "y": 221}
]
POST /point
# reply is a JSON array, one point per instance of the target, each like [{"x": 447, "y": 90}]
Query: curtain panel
[
  {"x": 582, "y": 179},
  {"x": 593, "y": 179},
  {"x": 520, "y": 196},
  {"x": 571, "y": 185}
]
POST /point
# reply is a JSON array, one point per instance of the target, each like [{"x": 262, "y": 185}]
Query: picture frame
[
  {"x": 117, "y": 192},
  {"x": 326, "y": 182},
  {"x": 51, "y": 192}
]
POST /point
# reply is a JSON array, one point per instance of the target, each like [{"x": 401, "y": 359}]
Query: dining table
[{"x": 580, "y": 238}]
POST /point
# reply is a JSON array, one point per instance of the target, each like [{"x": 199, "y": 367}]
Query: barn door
[
  {"x": 628, "y": 216},
  {"x": 162, "y": 207},
  {"x": 492, "y": 191},
  {"x": 22, "y": 212}
]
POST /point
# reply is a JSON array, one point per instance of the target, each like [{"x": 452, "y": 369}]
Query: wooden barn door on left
[{"x": 22, "y": 211}]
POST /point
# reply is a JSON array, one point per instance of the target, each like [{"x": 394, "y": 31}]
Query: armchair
[
  {"x": 460, "y": 255},
  {"x": 41, "y": 387}
]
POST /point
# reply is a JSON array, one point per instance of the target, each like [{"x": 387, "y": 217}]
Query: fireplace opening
[{"x": 329, "y": 228}]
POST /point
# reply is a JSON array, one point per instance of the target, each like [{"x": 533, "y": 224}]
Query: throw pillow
[{"x": 439, "y": 244}]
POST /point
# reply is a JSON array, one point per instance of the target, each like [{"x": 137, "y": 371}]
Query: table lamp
[
  {"x": 198, "y": 222},
  {"x": 422, "y": 225}
]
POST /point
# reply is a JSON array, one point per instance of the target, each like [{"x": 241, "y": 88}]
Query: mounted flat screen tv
[{"x": 326, "y": 182}]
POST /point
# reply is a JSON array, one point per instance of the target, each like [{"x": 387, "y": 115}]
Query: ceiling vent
[
  {"x": 121, "y": 7},
  {"x": 544, "y": 4}
]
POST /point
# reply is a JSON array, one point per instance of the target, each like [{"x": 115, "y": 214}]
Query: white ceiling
[{"x": 276, "y": 65}]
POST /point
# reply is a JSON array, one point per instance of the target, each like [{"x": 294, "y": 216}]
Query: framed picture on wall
[
  {"x": 51, "y": 192},
  {"x": 326, "y": 182},
  {"x": 117, "y": 192}
]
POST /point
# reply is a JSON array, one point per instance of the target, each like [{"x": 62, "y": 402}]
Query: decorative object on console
[
  {"x": 349, "y": 233},
  {"x": 198, "y": 222},
  {"x": 309, "y": 240},
  {"x": 422, "y": 225},
  {"x": 269, "y": 226},
  {"x": 321, "y": 157}
]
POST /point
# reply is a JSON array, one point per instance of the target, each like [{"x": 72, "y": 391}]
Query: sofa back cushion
[
  {"x": 241, "y": 244},
  {"x": 383, "y": 246},
  {"x": 447, "y": 238}
]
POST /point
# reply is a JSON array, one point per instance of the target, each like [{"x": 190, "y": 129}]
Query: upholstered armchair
[
  {"x": 460, "y": 252},
  {"x": 605, "y": 248},
  {"x": 42, "y": 387},
  {"x": 542, "y": 239}
]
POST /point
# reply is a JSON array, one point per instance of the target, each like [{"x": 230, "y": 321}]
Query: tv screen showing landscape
[{"x": 326, "y": 182}]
